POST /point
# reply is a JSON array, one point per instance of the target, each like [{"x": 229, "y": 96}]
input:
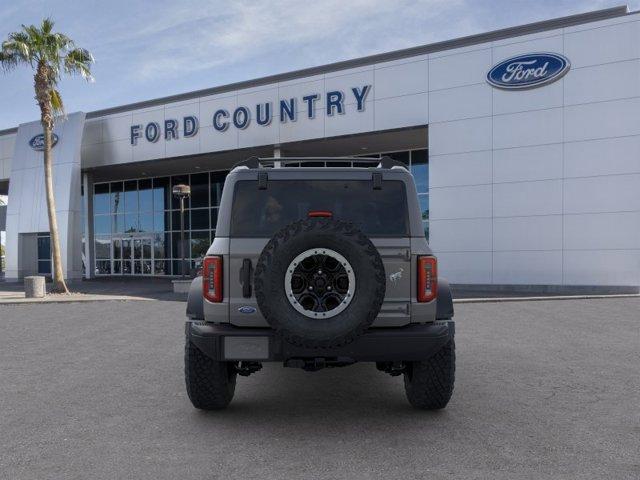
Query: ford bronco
[{"x": 319, "y": 262}]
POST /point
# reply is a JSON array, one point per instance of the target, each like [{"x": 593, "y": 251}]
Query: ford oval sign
[
  {"x": 247, "y": 309},
  {"x": 528, "y": 71},
  {"x": 37, "y": 142}
]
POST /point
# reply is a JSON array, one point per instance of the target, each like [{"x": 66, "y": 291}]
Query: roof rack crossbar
[{"x": 256, "y": 162}]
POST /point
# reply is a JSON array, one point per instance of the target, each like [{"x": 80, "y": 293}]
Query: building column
[
  {"x": 87, "y": 206},
  {"x": 276, "y": 154}
]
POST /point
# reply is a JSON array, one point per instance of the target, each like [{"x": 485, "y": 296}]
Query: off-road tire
[
  {"x": 345, "y": 239},
  {"x": 210, "y": 384},
  {"x": 429, "y": 383}
]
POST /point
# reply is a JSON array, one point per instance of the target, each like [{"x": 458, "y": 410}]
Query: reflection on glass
[
  {"x": 200, "y": 219},
  {"x": 131, "y": 196},
  {"x": 200, "y": 190},
  {"x": 159, "y": 224},
  {"x": 420, "y": 170},
  {"x": 424, "y": 206},
  {"x": 217, "y": 182},
  {"x": 117, "y": 248},
  {"x": 117, "y": 223},
  {"x": 161, "y": 194},
  {"x": 214, "y": 218},
  {"x": 103, "y": 247},
  {"x": 116, "y": 197},
  {"x": 101, "y": 198},
  {"x": 199, "y": 244},
  {"x": 145, "y": 195},
  {"x": 44, "y": 267},
  {"x": 175, "y": 220},
  {"x": 103, "y": 267},
  {"x": 161, "y": 267},
  {"x": 101, "y": 225},
  {"x": 146, "y": 248},
  {"x": 146, "y": 222},
  {"x": 44, "y": 247},
  {"x": 131, "y": 222},
  {"x": 126, "y": 248}
]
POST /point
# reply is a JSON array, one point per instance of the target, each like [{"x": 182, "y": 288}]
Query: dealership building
[{"x": 524, "y": 144}]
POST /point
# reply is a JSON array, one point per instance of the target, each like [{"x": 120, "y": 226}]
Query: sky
[{"x": 148, "y": 49}]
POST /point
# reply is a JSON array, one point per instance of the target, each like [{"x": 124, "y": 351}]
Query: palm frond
[
  {"x": 78, "y": 61},
  {"x": 56, "y": 102}
]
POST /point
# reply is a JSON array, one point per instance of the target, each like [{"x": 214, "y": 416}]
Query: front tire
[
  {"x": 429, "y": 383},
  {"x": 210, "y": 384}
]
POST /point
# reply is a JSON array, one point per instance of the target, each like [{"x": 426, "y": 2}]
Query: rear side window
[{"x": 261, "y": 213}]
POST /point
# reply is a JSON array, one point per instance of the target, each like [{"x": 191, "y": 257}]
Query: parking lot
[{"x": 546, "y": 389}]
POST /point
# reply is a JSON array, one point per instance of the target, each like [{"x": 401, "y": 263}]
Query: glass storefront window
[
  {"x": 101, "y": 224},
  {"x": 145, "y": 195},
  {"x": 420, "y": 170},
  {"x": 101, "y": 198},
  {"x": 161, "y": 194},
  {"x": 200, "y": 219},
  {"x": 146, "y": 222},
  {"x": 145, "y": 209},
  {"x": 131, "y": 196},
  {"x": 103, "y": 247},
  {"x": 199, "y": 244},
  {"x": 214, "y": 218},
  {"x": 200, "y": 190},
  {"x": 175, "y": 220},
  {"x": 160, "y": 221},
  {"x": 217, "y": 182},
  {"x": 130, "y": 222},
  {"x": 117, "y": 197}
]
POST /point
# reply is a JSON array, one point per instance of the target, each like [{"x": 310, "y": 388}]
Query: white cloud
[{"x": 200, "y": 35}]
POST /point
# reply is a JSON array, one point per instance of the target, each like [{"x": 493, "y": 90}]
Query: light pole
[{"x": 182, "y": 192}]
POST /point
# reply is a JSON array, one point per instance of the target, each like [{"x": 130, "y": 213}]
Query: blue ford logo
[
  {"x": 247, "y": 309},
  {"x": 528, "y": 71},
  {"x": 37, "y": 142}
]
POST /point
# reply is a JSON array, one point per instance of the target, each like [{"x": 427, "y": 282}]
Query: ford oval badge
[
  {"x": 247, "y": 309},
  {"x": 528, "y": 71},
  {"x": 37, "y": 142}
]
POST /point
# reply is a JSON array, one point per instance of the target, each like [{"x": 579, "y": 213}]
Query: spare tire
[{"x": 320, "y": 282}]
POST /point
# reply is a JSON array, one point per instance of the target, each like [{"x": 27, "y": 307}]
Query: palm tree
[{"x": 49, "y": 54}]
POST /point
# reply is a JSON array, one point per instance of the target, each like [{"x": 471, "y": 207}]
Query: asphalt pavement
[{"x": 544, "y": 390}]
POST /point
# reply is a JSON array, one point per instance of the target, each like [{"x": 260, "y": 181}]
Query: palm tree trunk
[
  {"x": 43, "y": 96},
  {"x": 59, "y": 285}
]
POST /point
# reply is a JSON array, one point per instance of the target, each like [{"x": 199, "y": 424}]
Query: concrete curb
[
  {"x": 71, "y": 299},
  {"x": 541, "y": 299}
]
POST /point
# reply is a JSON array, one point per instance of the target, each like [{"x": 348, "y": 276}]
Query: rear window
[{"x": 261, "y": 213}]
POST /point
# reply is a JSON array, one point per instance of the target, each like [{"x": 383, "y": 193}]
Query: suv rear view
[{"x": 319, "y": 267}]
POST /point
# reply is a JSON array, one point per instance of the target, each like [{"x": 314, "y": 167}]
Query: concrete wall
[
  {"x": 7, "y": 143},
  {"x": 27, "y": 208},
  {"x": 539, "y": 186}
]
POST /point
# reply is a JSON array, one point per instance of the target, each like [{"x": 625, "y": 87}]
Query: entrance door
[
  {"x": 142, "y": 256},
  {"x": 132, "y": 256}
]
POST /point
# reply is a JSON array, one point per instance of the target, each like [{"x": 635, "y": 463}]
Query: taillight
[
  {"x": 212, "y": 279},
  {"x": 427, "y": 278},
  {"x": 320, "y": 213}
]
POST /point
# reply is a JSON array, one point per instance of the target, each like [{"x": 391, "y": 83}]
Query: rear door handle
[{"x": 245, "y": 277}]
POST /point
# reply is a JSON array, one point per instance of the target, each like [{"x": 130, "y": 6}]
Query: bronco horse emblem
[{"x": 394, "y": 277}]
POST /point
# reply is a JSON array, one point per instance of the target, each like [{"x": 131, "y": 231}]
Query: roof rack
[{"x": 272, "y": 162}]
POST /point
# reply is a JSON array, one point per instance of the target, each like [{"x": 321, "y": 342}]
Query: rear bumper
[{"x": 410, "y": 343}]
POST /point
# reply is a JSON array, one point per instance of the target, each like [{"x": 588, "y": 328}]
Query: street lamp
[{"x": 182, "y": 192}]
